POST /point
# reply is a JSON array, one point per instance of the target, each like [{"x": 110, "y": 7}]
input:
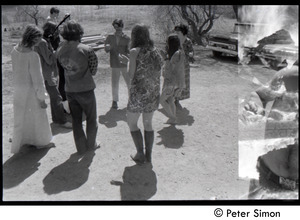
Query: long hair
[
  {"x": 31, "y": 33},
  {"x": 72, "y": 31},
  {"x": 48, "y": 28},
  {"x": 140, "y": 37},
  {"x": 173, "y": 44}
]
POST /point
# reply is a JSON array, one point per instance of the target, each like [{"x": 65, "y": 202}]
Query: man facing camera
[{"x": 117, "y": 44}]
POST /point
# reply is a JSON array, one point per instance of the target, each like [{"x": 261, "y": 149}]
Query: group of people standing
[{"x": 36, "y": 63}]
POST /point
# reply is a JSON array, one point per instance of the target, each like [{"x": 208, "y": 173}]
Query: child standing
[{"x": 173, "y": 74}]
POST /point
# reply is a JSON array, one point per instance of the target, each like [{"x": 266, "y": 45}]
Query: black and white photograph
[{"x": 150, "y": 103}]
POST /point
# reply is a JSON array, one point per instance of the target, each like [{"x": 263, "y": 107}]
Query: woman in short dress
[
  {"x": 31, "y": 125},
  {"x": 173, "y": 74},
  {"x": 144, "y": 70}
]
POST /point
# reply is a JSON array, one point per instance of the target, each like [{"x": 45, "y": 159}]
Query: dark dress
[{"x": 145, "y": 86}]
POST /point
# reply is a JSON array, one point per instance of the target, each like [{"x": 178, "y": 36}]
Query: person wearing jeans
[
  {"x": 80, "y": 65},
  {"x": 117, "y": 44}
]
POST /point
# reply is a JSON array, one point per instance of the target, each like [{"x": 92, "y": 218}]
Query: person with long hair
[
  {"x": 31, "y": 125},
  {"x": 173, "y": 74},
  {"x": 50, "y": 73},
  {"x": 144, "y": 69},
  {"x": 80, "y": 65},
  {"x": 187, "y": 46},
  {"x": 117, "y": 43}
]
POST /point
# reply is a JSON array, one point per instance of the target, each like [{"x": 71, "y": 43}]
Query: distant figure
[
  {"x": 5, "y": 29},
  {"x": 117, "y": 44},
  {"x": 31, "y": 125},
  {"x": 145, "y": 65},
  {"x": 54, "y": 13},
  {"x": 55, "y": 41},
  {"x": 50, "y": 73},
  {"x": 187, "y": 46},
  {"x": 173, "y": 75},
  {"x": 80, "y": 65}
]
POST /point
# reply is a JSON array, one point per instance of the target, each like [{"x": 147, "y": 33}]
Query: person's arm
[
  {"x": 127, "y": 47},
  {"x": 92, "y": 61},
  {"x": 107, "y": 44},
  {"x": 44, "y": 51},
  {"x": 178, "y": 68},
  {"x": 177, "y": 63},
  {"x": 35, "y": 71},
  {"x": 132, "y": 61}
]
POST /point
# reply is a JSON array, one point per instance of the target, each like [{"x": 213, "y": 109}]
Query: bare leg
[{"x": 168, "y": 104}]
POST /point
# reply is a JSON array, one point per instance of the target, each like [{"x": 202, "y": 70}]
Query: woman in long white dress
[{"x": 31, "y": 125}]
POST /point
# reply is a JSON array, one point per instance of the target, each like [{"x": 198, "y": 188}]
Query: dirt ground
[{"x": 195, "y": 160}]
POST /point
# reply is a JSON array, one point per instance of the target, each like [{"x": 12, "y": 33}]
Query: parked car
[
  {"x": 228, "y": 43},
  {"x": 275, "y": 55}
]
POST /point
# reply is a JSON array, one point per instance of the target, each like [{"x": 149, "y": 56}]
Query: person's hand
[
  {"x": 123, "y": 59},
  {"x": 43, "y": 104}
]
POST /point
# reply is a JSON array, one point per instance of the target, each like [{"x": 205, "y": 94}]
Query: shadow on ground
[
  {"x": 57, "y": 129},
  {"x": 22, "y": 165},
  {"x": 70, "y": 175},
  {"x": 139, "y": 182},
  {"x": 183, "y": 116},
  {"x": 171, "y": 137},
  {"x": 111, "y": 117}
]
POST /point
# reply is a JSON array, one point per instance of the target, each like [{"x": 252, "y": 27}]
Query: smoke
[
  {"x": 270, "y": 18},
  {"x": 273, "y": 18},
  {"x": 294, "y": 32}
]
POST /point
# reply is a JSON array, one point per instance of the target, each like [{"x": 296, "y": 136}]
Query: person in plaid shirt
[{"x": 80, "y": 65}]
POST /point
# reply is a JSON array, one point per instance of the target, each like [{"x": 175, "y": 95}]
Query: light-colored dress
[
  {"x": 173, "y": 74},
  {"x": 31, "y": 125}
]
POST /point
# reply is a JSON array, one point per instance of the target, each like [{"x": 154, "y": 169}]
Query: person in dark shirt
[
  {"x": 117, "y": 44},
  {"x": 80, "y": 65}
]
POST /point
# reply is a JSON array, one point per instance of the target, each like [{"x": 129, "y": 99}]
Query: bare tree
[
  {"x": 200, "y": 18},
  {"x": 32, "y": 11},
  {"x": 236, "y": 9}
]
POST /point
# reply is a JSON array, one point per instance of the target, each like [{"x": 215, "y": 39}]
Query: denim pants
[
  {"x": 61, "y": 85},
  {"x": 80, "y": 102},
  {"x": 115, "y": 78},
  {"x": 57, "y": 109}
]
